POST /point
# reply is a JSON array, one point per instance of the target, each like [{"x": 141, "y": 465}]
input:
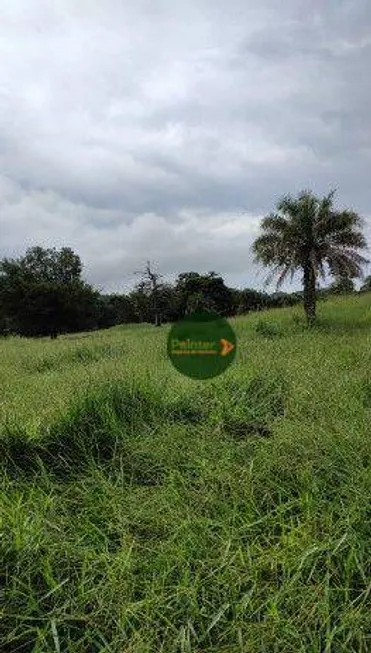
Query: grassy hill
[{"x": 144, "y": 512}]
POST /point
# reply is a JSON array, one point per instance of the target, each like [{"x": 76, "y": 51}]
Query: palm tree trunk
[{"x": 309, "y": 280}]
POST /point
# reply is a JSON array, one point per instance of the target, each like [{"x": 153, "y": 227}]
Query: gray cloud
[{"x": 145, "y": 130}]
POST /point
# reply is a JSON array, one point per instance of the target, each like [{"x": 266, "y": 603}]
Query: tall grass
[{"x": 144, "y": 512}]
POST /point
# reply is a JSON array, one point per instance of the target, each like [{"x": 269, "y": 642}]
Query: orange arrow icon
[{"x": 226, "y": 346}]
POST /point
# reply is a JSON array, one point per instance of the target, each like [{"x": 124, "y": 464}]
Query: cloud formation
[{"x": 164, "y": 131}]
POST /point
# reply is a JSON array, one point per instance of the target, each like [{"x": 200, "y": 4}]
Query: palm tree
[{"x": 308, "y": 235}]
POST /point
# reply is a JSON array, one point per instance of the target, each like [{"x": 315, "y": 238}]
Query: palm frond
[
  {"x": 274, "y": 223},
  {"x": 307, "y": 229},
  {"x": 345, "y": 262}
]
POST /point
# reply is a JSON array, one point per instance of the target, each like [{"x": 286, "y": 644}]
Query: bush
[{"x": 267, "y": 329}]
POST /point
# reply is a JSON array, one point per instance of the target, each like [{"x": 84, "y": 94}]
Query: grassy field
[{"x": 143, "y": 512}]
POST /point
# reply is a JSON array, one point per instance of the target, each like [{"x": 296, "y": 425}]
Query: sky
[{"x": 165, "y": 130}]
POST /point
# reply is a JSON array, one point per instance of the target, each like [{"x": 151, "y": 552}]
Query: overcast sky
[{"x": 165, "y": 129}]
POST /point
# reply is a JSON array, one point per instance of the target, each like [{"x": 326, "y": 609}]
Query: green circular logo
[{"x": 202, "y": 345}]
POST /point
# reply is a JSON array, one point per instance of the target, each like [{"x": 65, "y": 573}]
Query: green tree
[
  {"x": 248, "y": 299},
  {"x": 115, "y": 309},
  {"x": 366, "y": 286},
  {"x": 203, "y": 291},
  {"x": 50, "y": 265},
  {"x": 306, "y": 234},
  {"x": 141, "y": 301},
  {"x": 168, "y": 302},
  {"x": 42, "y": 293},
  {"x": 342, "y": 285}
]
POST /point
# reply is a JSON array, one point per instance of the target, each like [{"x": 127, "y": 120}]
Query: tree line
[{"x": 43, "y": 293}]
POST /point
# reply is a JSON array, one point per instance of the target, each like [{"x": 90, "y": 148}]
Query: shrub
[{"x": 267, "y": 329}]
